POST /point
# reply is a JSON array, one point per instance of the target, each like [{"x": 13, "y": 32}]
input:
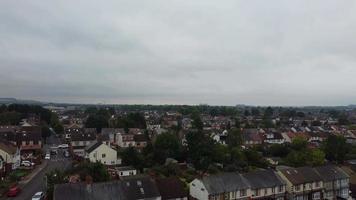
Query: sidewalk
[{"x": 29, "y": 177}]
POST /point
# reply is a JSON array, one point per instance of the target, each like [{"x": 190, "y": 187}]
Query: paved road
[{"x": 37, "y": 183}]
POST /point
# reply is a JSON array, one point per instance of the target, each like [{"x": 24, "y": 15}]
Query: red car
[{"x": 13, "y": 191}]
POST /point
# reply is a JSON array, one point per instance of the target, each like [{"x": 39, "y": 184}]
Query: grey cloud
[{"x": 184, "y": 52}]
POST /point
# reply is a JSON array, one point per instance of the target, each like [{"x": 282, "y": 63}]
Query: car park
[
  {"x": 38, "y": 196},
  {"x": 13, "y": 191}
]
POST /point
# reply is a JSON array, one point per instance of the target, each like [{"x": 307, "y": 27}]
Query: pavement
[{"x": 35, "y": 181}]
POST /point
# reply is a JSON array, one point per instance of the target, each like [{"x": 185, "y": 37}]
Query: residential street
[{"x": 37, "y": 183}]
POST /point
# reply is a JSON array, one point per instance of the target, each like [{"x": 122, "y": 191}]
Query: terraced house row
[{"x": 305, "y": 183}]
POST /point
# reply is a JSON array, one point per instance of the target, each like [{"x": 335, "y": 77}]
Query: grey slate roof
[
  {"x": 132, "y": 189},
  {"x": 263, "y": 179},
  {"x": 92, "y": 146},
  {"x": 331, "y": 172},
  {"x": 220, "y": 183},
  {"x": 97, "y": 191}
]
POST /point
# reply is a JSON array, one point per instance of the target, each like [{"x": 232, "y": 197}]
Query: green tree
[
  {"x": 200, "y": 149},
  {"x": 130, "y": 156},
  {"x": 278, "y": 150},
  {"x": 197, "y": 123},
  {"x": 268, "y": 112},
  {"x": 297, "y": 158},
  {"x": 166, "y": 146},
  {"x": 299, "y": 143},
  {"x": 234, "y": 138},
  {"x": 335, "y": 148},
  {"x": 316, "y": 157},
  {"x": 97, "y": 121}
]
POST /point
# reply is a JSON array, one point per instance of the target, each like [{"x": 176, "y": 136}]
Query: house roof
[
  {"x": 263, "y": 179},
  {"x": 331, "y": 172},
  {"x": 83, "y": 137},
  {"x": 301, "y": 175},
  {"x": 139, "y": 188},
  {"x": 105, "y": 131},
  {"x": 132, "y": 189},
  {"x": 92, "y": 146},
  {"x": 8, "y": 147},
  {"x": 140, "y": 138},
  {"x": 171, "y": 188},
  {"x": 220, "y": 183},
  {"x": 97, "y": 191}
]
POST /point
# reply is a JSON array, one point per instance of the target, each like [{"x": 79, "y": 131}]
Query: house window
[
  {"x": 344, "y": 182},
  {"x": 202, "y": 189},
  {"x": 316, "y": 195},
  {"x": 273, "y": 190},
  {"x": 345, "y": 192},
  {"x": 317, "y": 184},
  {"x": 265, "y": 191},
  {"x": 103, "y": 155},
  {"x": 300, "y": 197},
  {"x": 258, "y": 192},
  {"x": 242, "y": 193},
  {"x": 297, "y": 188},
  {"x": 280, "y": 188}
]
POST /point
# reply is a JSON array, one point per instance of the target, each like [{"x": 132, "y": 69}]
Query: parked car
[
  {"x": 53, "y": 152},
  {"x": 48, "y": 156},
  {"x": 13, "y": 191},
  {"x": 27, "y": 163},
  {"x": 38, "y": 196},
  {"x": 63, "y": 146},
  {"x": 66, "y": 154}
]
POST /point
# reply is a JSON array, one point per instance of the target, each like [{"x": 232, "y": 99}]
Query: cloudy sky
[{"x": 229, "y": 52}]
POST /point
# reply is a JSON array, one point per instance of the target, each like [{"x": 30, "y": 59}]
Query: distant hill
[{"x": 18, "y": 101}]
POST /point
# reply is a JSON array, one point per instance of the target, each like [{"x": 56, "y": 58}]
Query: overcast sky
[{"x": 256, "y": 52}]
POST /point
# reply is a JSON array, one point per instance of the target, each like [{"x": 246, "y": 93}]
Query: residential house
[
  {"x": 335, "y": 182},
  {"x": 80, "y": 141},
  {"x": 220, "y": 186},
  {"x": 317, "y": 137},
  {"x": 252, "y": 137},
  {"x": 29, "y": 141},
  {"x": 9, "y": 157},
  {"x": 171, "y": 189},
  {"x": 273, "y": 137},
  {"x": 266, "y": 184},
  {"x": 125, "y": 171},
  {"x": 112, "y": 134},
  {"x": 100, "y": 152},
  {"x": 137, "y": 187},
  {"x": 303, "y": 183},
  {"x": 140, "y": 141},
  {"x": 26, "y": 138},
  {"x": 125, "y": 140}
]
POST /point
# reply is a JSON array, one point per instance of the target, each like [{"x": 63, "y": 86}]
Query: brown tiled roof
[{"x": 301, "y": 175}]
